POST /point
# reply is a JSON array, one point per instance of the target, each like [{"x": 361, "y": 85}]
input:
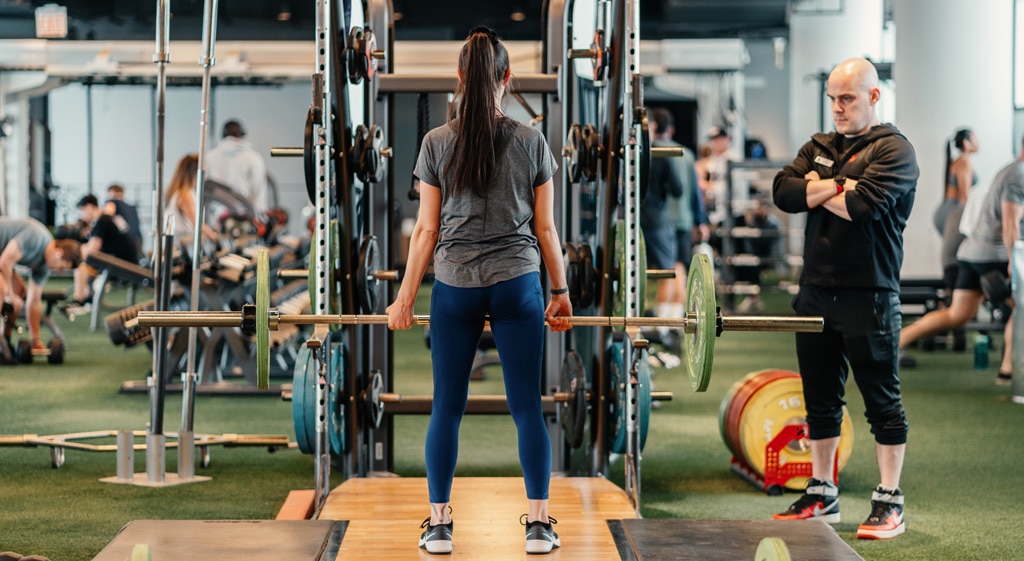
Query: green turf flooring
[{"x": 961, "y": 479}]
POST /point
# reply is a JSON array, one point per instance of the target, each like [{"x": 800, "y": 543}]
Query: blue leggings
[{"x": 516, "y": 309}]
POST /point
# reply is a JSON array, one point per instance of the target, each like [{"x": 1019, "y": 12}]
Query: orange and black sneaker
[
  {"x": 820, "y": 502},
  {"x": 886, "y": 519}
]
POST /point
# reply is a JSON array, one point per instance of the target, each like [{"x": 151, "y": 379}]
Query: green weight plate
[
  {"x": 619, "y": 374},
  {"x": 304, "y": 379},
  {"x": 142, "y": 552},
  {"x": 701, "y": 310},
  {"x": 336, "y": 400},
  {"x": 622, "y": 272},
  {"x": 263, "y": 320},
  {"x": 772, "y": 549}
]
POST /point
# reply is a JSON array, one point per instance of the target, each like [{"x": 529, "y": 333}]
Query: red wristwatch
[{"x": 839, "y": 180}]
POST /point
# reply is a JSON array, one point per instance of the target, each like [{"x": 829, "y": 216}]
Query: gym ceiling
[{"x": 266, "y": 20}]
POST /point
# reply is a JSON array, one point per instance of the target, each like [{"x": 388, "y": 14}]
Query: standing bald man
[{"x": 857, "y": 187}]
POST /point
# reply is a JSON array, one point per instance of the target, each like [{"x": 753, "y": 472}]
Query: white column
[
  {"x": 953, "y": 69},
  {"x": 819, "y": 39}
]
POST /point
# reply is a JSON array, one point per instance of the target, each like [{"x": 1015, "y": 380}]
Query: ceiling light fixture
[
  {"x": 518, "y": 12},
  {"x": 285, "y": 12}
]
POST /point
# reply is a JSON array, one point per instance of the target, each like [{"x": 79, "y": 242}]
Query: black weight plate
[
  {"x": 644, "y": 173},
  {"x": 367, "y": 284},
  {"x": 587, "y": 275},
  {"x": 23, "y": 353},
  {"x": 572, "y": 272},
  {"x": 353, "y": 55},
  {"x": 309, "y": 166},
  {"x": 56, "y": 352},
  {"x": 574, "y": 153},
  {"x": 591, "y": 160},
  {"x": 573, "y": 411}
]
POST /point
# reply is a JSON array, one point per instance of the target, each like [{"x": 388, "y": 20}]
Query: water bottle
[{"x": 981, "y": 351}]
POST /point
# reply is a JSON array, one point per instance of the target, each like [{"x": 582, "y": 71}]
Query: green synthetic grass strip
[{"x": 961, "y": 478}]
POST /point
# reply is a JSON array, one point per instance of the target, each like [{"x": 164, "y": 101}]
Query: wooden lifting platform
[
  {"x": 379, "y": 519},
  {"x": 385, "y": 515}
]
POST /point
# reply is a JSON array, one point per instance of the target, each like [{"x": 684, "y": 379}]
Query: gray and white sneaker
[
  {"x": 540, "y": 537},
  {"x": 436, "y": 539}
]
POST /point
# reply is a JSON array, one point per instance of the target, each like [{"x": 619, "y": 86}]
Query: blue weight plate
[
  {"x": 619, "y": 374},
  {"x": 335, "y": 400},
  {"x": 304, "y": 400}
]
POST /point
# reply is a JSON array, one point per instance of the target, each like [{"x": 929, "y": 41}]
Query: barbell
[{"x": 701, "y": 324}]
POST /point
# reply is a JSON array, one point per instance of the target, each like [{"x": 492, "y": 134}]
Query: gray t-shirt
[
  {"x": 484, "y": 241},
  {"x": 32, "y": 238},
  {"x": 985, "y": 243}
]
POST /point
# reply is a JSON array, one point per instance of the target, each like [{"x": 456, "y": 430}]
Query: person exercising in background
[
  {"x": 26, "y": 242},
  {"x": 235, "y": 163},
  {"x": 661, "y": 245},
  {"x": 125, "y": 215},
  {"x": 987, "y": 250},
  {"x": 104, "y": 236},
  {"x": 857, "y": 186}
]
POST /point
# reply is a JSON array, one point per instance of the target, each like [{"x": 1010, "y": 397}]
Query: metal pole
[
  {"x": 161, "y": 57},
  {"x": 207, "y": 60},
  {"x": 632, "y": 102},
  {"x": 88, "y": 137}
]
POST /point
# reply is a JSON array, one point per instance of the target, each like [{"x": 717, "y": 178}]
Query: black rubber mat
[
  {"x": 725, "y": 540},
  {"x": 229, "y": 540}
]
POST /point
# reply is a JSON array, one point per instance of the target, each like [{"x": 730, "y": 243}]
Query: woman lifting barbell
[{"x": 486, "y": 217}]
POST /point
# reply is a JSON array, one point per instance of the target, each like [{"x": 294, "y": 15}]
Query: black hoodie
[{"x": 866, "y": 251}]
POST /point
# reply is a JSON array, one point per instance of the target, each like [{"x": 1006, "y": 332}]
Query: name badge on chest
[{"x": 823, "y": 161}]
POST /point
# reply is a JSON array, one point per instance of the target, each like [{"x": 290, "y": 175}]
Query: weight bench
[
  {"x": 920, "y": 296},
  {"x": 110, "y": 268},
  {"x": 51, "y": 297}
]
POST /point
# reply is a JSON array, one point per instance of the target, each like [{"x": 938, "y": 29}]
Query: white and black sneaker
[
  {"x": 540, "y": 536},
  {"x": 436, "y": 539}
]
